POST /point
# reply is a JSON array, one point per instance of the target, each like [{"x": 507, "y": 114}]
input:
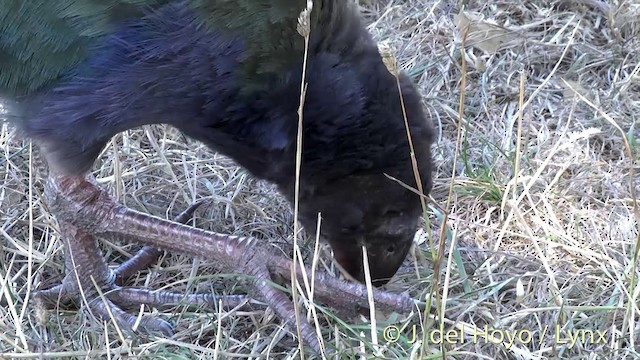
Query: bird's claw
[{"x": 104, "y": 307}]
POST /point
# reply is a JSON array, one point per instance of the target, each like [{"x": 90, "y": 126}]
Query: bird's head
[
  {"x": 373, "y": 211},
  {"x": 356, "y": 168}
]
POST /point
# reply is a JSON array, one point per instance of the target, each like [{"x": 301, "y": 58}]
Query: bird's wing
[{"x": 43, "y": 39}]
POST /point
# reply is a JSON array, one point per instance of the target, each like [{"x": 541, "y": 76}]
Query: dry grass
[{"x": 542, "y": 228}]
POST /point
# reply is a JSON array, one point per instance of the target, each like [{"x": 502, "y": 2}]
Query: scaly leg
[
  {"x": 149, "y": 254},
  {"x": 80, "y": 203},
  {"x": 140, "y": 261},
  {"x": 86, "y": 265}
]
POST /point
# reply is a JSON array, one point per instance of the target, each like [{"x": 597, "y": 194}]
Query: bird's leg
[
  {"x": 85, "y": 265},
  {"x": 149, "y": 254},
  {"x": 87, "y": 271},
  {"x": 140, "y": 261},
  {"x": 81, "y": 203}
]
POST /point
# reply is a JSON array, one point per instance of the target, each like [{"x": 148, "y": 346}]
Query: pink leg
[
  {"x": 86, "y": 265},
  {"x": 149, "y": 254}
]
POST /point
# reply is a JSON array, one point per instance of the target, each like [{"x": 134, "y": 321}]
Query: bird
[{"x": 238, "y": 76}]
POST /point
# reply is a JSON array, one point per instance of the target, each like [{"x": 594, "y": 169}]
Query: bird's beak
[{"x": 350, "y": 262}]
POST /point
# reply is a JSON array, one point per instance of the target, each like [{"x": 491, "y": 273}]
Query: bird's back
[{"x": 43, "y": 41}]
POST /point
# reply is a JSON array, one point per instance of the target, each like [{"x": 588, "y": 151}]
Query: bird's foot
[
  {"x": 99, "y": 288},
  {"x": 82, "y": 204}
]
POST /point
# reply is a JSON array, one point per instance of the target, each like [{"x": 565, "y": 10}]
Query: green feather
[{"x": 42, "y": 39}]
